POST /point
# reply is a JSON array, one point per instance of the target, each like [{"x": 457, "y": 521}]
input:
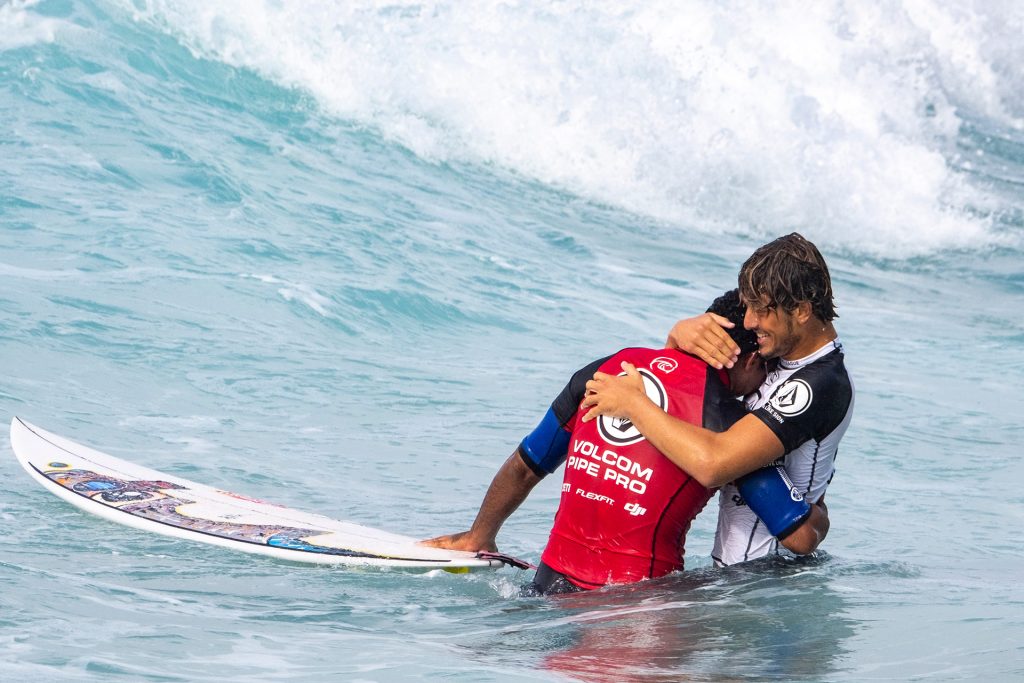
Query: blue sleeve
[
  {"x": 545, "y": 448},
  {"x": 772, "y": 497}
]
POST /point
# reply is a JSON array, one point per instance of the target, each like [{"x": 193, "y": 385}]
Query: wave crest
[{"x": 842, "y": 119}]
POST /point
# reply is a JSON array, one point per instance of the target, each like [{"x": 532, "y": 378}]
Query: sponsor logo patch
[
  {"x": 635, "y": 509},
  {"x": 663, "y": 364},
  {"x": 792, "y": 398}
]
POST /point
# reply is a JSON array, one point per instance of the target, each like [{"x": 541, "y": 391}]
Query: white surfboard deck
[{"x": 161, "y": 503}]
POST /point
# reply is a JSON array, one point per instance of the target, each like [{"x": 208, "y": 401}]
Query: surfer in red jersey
[{"x": 625, "y": 508}]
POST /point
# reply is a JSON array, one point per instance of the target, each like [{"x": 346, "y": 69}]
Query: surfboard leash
[{"x": 507, "y": 559}]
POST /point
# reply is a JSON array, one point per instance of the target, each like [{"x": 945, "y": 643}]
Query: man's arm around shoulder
[{"x": 712, "y": 458}]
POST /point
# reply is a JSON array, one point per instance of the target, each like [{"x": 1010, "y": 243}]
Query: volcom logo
[
  {"x": 620, "y": 431},
  {"x": 792, "y": 398},
  {"x": 663, "y": 364}
]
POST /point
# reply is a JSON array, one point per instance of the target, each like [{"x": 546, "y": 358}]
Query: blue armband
[
  {"x": 772, "y": 496},
  {"x": 546, "y": 447}
]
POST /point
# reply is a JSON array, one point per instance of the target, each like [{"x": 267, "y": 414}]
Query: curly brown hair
[{"x": 787, "y": 272}]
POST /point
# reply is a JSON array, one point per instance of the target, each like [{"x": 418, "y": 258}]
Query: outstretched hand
[
  {"x": 705, "y": 336},
  {"x": 463, "y": 540},
  {"x": 614, "y": 395}
]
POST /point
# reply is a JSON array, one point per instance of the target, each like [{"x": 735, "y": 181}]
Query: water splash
[{"x": 842, "y": 120}]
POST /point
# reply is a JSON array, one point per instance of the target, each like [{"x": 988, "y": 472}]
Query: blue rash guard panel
[
  {"x": 545, "y": 448},
  {"x": 771, "y": 495}
]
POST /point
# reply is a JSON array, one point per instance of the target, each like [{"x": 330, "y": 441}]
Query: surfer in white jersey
[
  {"x": 797, "y": 417},
  {"x": 741, "y": 535}
]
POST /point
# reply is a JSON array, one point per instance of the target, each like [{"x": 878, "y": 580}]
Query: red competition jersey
[{"x": 625, "y": 507}]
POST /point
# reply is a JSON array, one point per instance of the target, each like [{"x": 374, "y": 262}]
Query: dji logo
[{"x": 635, "y": 509}]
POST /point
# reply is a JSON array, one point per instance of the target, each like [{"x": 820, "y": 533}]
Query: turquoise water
[{"x": 342, "y": 258}]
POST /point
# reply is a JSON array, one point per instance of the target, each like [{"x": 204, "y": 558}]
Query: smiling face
[
  {"x": 776, "y": 328},
  {"x": 786, "y": 292}
]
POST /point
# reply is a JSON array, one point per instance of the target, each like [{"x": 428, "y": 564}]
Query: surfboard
[{"x": 157, "y": 502}]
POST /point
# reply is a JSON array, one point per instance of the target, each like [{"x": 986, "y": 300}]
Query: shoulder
[
  {"x": 810, "y": 402},
  {"x": 568, "y": 400},
  {"x": 824, "y": 380}
]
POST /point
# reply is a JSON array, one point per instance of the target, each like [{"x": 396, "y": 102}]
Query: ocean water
[{"x": 342, "y": 255}]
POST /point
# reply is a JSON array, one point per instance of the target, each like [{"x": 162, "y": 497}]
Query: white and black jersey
[{"x": 808, "y": 404}]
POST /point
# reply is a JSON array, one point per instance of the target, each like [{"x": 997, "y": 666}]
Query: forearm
[
  {"x": 689, "y": 447},
  {"x": 509, "y": 488},
  {"x": 809, "y": 535},
  {"x": 712, "y": 458}
]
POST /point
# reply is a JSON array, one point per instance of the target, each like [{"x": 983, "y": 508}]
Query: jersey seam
[
  {"x": 661, "y": 518},
  {"x": 814, "y": 467},
  {"x": 750, "y": 541}
]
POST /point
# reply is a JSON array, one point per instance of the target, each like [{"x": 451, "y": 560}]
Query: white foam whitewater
[{"x": 836, "y": 117}]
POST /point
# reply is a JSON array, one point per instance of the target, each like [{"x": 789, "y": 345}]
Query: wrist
[
  {"x": 481, "y": 538},
  {"x": 640, "y": 409}
]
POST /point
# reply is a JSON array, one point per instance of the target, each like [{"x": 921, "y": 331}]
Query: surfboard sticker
[{"x": 154, "y": 501}]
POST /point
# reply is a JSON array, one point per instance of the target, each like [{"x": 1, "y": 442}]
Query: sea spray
[{"x": 842, "y": 119}]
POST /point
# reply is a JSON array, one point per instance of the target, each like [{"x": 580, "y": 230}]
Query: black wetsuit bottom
[{"x": 548, "y": 582}]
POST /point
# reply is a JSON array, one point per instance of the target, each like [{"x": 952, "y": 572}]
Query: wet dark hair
[
  {"x": 729, "y": 306},
  {"x": 787, "y": 272}
]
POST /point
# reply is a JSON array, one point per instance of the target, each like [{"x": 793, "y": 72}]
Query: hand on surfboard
[{"x": 463, "y": 540}]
